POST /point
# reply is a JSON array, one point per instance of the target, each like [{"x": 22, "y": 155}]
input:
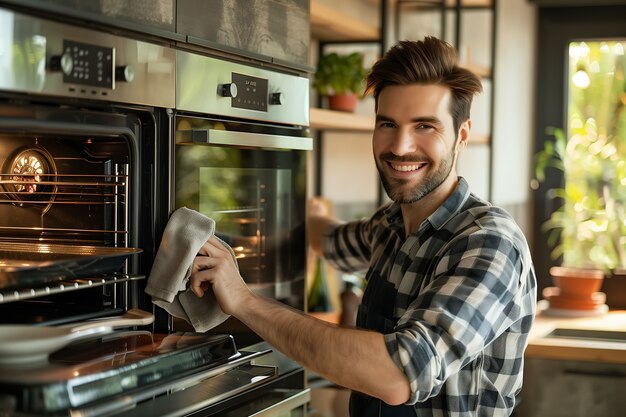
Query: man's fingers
[
  {"x": 200, "y": 278},
  {"x": 213, "y": 247}
]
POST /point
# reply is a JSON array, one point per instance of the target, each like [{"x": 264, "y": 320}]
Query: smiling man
[{"x": 451, "y": 291}]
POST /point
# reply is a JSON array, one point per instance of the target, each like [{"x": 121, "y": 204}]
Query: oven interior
[{"x": 67, "y": 181}]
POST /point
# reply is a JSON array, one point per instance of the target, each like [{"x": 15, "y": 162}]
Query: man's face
[{"x": 414, "y": 140}]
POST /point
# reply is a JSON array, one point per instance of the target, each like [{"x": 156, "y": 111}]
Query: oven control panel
[
  {"x": 251, "y": 92},
  {"x": 87, "y": 64},
  {"x": 210, "y": 85},
  {"x": 60, "y": 60}
]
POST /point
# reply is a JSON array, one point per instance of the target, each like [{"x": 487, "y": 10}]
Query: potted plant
[
  {"x": 588, "y": 231},
  {"x": 340, "y": 78}
]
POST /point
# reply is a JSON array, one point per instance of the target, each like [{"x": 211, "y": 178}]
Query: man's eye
[
  {"x": 386, "y": 124},
  {"x": 424, "y": 127}
]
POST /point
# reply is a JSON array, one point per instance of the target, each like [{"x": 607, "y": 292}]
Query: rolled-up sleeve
[{"x": 470, "y": 302}]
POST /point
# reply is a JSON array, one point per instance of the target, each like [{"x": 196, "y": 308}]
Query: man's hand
[
  {"x": 319, "y": 218},
  {"x": 215, "y": 266}
]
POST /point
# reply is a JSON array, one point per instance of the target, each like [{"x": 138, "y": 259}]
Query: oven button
[
  {"x": 63, "y": 63},
  {"x": 276, "y": 98},
  {"x": 125, "y": 73},
  {"x": 228, "y": 90}
]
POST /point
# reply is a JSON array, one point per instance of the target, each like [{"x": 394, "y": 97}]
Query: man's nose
[{"x": 403, "y": 142}]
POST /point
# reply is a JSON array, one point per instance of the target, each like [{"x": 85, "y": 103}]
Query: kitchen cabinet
[
  {"x": 563, "y": 388},
  {"x": 575, "y": 367}
]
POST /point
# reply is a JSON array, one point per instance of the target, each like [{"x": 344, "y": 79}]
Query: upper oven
[{"x": 240, "y": 153}]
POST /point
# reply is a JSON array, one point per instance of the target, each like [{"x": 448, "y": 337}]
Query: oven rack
[
  {"x": 51, "y": 188},
  {"x": 7, "y": 296}
]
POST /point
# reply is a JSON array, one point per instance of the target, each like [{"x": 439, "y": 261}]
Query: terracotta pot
[
  {"x": 343, "y": 102},
  {"x": 553, "y": 294},
  {"x": 577, "y": 283}
]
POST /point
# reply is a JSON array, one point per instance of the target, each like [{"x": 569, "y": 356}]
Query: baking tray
[{"x": 32, "y": 264}]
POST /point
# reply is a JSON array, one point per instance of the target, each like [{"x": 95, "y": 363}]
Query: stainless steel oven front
[
  {"x": 86, "y": 124},
  {"x": 239, "y": 157}
]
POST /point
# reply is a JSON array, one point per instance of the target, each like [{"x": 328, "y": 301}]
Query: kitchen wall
[{"x": 514, "y": 108}]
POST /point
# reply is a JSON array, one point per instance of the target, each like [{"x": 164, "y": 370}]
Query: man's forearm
[{"x": 352, "y": 358}]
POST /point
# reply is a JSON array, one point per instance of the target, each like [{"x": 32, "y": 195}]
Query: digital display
[
  {"x": 251, "y": 92},
  {"x": 92, "y": 65}
]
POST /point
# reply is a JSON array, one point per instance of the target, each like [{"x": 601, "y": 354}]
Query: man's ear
[{"x": 464, "y": 133}]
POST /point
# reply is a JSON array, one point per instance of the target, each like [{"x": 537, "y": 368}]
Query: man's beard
[{"x": 394, "y": 187}]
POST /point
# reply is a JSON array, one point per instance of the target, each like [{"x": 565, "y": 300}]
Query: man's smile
[{"x": 407, "y": 167}]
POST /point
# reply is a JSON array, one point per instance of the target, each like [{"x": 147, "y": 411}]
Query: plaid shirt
[{"x": 465, "y": 304}]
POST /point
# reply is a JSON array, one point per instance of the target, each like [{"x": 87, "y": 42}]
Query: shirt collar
[{"x": 445, "y": 212}]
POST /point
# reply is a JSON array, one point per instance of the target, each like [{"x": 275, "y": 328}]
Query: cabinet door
[{"x": 572, "y": 389}]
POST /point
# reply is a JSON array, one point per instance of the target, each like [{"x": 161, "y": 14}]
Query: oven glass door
[{"x": 254, "y": 186}]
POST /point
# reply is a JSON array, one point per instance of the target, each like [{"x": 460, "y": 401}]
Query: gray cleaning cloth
[{"x": 168, "y": 283}]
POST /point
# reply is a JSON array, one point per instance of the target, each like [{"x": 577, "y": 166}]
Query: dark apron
[{"x": 376, "y": 313}]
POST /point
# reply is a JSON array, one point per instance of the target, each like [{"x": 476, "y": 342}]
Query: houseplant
[
  {"x": 588, "y": 232},
  {"x": 340, "y": 78}
]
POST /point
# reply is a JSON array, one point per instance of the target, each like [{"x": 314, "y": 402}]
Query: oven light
[
  {"x": 238, "y": 248},
  {"x": 76, "y": 373},
  {"x": 44, "y": 248}
]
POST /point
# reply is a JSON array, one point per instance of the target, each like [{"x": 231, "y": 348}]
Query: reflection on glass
[{"x": 251, "y": 203}]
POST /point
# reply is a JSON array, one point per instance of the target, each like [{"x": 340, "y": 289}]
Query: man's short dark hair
[{"x": 429, "y": 61}]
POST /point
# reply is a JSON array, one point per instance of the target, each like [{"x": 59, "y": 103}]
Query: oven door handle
[{"x": 255, "y": 140}]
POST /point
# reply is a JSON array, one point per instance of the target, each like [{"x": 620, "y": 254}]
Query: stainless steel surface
[
  {"x": 217, "y": 383},
  {"x": 34, "y": 60},
  {"x": 255, "y": 140},
  {"x": 274, "y": 404},
  {"x": 27, "y": 264},
  {"x": 124, "y": 368},
  {"x": 199, "y": 80},
  {"x": 589, "y": 334}
]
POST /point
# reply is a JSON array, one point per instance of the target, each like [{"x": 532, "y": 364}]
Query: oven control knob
[
  {"x": 124, "y": 73},
  {"x": 228, "y": 90},
  {"x": 63, "y": 63},
  {"x": 276, "y": 98}
]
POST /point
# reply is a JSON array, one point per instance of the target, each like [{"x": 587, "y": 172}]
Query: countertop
[{"x": 542, "y": 345}]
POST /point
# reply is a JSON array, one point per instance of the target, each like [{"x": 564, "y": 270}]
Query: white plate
[{"x": 24, "y": 343}]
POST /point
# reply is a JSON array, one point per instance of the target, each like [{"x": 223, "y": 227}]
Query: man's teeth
[{"x": 406, "y": 168}]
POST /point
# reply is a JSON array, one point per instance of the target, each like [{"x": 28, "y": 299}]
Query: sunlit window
[{"x": 595, "y": 155}]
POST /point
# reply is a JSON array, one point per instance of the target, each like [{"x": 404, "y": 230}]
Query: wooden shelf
[
  {"x": 482, "y": 72},
  {"x": 328, "y": 24},
  {"x": 479, "y": 139},
  {"x": 323, "y": 119}
]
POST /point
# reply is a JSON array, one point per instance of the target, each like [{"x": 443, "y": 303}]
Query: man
[{"x": 451, "y": 291}]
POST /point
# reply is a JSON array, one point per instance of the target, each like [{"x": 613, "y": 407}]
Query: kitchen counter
[{"x": 544, "y": 345}]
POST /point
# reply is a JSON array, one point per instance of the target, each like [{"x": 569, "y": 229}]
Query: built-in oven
[
  {"x": 86, "y": 136},
  {"x": 239, "y": 157}
]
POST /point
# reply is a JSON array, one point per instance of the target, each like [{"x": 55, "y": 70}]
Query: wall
[{"x": 514, "y": 108}]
